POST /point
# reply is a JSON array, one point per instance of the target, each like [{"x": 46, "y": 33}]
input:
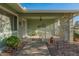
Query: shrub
[{"x": 12, "y": 42}]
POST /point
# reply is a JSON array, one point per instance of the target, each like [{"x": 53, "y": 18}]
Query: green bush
[{"x": 12, "y": 41}]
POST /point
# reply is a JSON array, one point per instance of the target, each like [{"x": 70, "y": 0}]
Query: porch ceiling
[
  {"x": 45, "y": 15},
  {"x": 41, "y": 17}
]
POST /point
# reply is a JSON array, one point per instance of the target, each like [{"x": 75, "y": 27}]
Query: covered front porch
[
  {"x": 35, "y": 28},
  {"x": 41, "y": 26},
  {"x": 44, "y": 25}
]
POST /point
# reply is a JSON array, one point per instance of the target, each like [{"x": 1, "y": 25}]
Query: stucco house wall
[{"x": 8, "y": 25}]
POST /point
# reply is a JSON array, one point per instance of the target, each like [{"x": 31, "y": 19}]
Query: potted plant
[{"x": 12, "y": 43}]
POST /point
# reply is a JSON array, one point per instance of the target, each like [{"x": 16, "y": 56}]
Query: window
[{"x": 14, "y": 23}]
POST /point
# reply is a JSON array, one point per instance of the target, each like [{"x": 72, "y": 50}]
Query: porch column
[
  {"x": 61, "y": 30},
  {"x": 18, "y": 26},
  {"x": 64, "y": 30},
  {"x": 54, "y": 28},
  {"x": 23, "y": 27},
  {"x": 26, "y": 27},
  {"x": 57, "y": 27},
  {"x": 71, "y": 30}
]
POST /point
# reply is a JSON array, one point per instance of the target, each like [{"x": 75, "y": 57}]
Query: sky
[{"x": 51, "y": 6}]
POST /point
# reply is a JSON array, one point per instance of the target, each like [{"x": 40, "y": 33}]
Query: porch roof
[
  {"x": 16, "y": 7},
  {"x": 52, "y": 11}
]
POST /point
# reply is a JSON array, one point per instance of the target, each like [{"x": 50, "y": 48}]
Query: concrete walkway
[{"x": 34, "y": 48}]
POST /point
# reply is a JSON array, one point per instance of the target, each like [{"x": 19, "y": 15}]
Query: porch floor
[
  {"x": 34, "y": 48},
  {"x": 63, "y": 48},
  {"x": 39, "y": 48}
]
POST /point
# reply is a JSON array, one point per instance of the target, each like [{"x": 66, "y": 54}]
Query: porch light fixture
[{"x": 40, "y": 19}]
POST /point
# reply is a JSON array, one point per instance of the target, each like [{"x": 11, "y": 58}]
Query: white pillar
[
  {"x": 71, "y": 30},
  {"x": 26, "y": 27},
  {"x": 18, "y": 26},
  {"x": 61, "y": 30},
  {"x": 64, "y": 29},
  {"x": 53, "y": 29}
]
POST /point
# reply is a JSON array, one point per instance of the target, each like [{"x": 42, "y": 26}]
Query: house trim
[{"x": 3, "y": 8}]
